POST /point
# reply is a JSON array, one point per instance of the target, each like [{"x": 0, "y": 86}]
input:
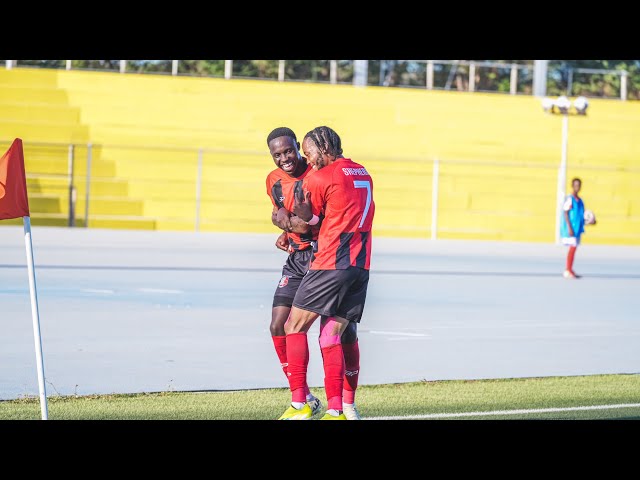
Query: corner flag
[
  {"x": 13, "y": 184},
  {"x": 14, "y": 203}
]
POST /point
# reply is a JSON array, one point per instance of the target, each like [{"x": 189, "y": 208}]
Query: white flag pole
[{"x": 36, "y": 317}]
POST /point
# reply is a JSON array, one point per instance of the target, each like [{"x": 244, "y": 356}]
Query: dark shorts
[
  {"x": 293, "y": 272},
  {"x": 331, "y": 293}
]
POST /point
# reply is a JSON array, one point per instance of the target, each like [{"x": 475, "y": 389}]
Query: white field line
[
  {"x": 403, "y": 334},
  {"x": 158, "y": 290},
  {"x": 507, "y": 412},
  {"x": 97, "y": 290}
]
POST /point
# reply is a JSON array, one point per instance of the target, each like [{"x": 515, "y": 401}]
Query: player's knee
[
  {"x": 279, "y": 317},
  {"x": 350, "y": 334},
  {"x": 292, "y": 327},
  {"x": 298, "y": 323},
  {"x": 276, "y": 328}
]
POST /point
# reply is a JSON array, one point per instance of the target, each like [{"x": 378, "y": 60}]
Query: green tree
[
  {"x": 213, "y": 68},
  {"x": 563, "y": 75}
]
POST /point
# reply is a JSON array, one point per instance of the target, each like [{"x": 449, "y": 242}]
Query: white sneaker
[
  {"x": 315, "y": 404},
  {"x": 570, "y": 274},
  {"x": 351, "y": 411}
]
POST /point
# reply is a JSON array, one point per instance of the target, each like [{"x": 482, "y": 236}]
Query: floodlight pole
[{"x": 562, "y": 174}]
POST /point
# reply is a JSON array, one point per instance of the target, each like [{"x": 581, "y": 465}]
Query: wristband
[{"x": 315, "y": 219}]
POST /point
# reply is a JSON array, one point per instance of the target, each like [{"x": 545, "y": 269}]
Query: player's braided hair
[
  {"x": 327, "y": 140},
  {"x": 281, "y": 132}
]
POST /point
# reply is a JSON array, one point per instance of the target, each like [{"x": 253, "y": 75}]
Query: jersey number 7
[{"x": 364, "y": 184}]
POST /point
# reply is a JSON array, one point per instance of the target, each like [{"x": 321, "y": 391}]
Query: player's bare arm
[
  {"x": 282, "y": 219},
  {"x": 288, "y": 222},
  {"x": 299, "y": 226}
]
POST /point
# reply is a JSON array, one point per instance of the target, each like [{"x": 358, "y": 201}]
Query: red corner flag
[{"x": 13, "y": 183}]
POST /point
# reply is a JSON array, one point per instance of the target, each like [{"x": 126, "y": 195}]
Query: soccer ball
[{"x": 589, "y": 217}]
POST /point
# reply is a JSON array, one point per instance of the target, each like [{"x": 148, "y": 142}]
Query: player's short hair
[
  {"x": 576, "y": 179},
  {"x": 281, "y": 132},
  {"x": 327, "y": 140}
]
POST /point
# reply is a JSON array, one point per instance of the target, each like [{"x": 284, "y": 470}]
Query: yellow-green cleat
[
  {"x": 328, "y": 416},
  {"x": 292, "y": 413}
]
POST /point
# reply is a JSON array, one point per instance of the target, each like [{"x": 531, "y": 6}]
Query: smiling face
[
  {"x": 313, "y": 154},
  {"x": 576, "y": 185},
  {"x": 286, "y": 154}
]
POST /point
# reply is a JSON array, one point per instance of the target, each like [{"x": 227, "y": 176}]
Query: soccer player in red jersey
[
  {"x": 335, "y": 287},
  {"x": 296, "y": 239},
  {"x": 284, "y": 149}
]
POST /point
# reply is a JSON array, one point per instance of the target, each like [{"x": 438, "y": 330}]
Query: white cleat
[{"x": 351, "y": 411}]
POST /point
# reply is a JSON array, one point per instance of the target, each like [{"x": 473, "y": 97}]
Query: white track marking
[
  {"x": 507, "y": 412},
  {"x": 403, "y": 334},
  {"x": 97, "y": 290},
  {"x": 158, "y": 290}
]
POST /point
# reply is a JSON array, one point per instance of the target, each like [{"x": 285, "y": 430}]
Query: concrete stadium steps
[
  {"x": 141, "y": 109},
  {"x": 446, "y": 122},
  {"x": 60, "y": 185},
  {"x": 608, "y": 227},
  {"x": 494, "y": 220},
  {"x": 469, "y": 234},
  {"x": 60, "y": 166},
  {"x": 44, "y": 131},
  {"x": 612, "y": 207},
  {"x": 609, "y": 192},
  {"x": 98, "y": 205},
  {"x": 395, "y": 133},
  {"x": 500, "y": 185},
  {"x": 168, "y": 137},
  {"x": 56, "y": 156},
  {"x": 517, "y": 204},
  {"x": 403, "y": 220},
  {"x": 121, "y": 222},
  {"x": 28, "y": 78},
  {"x": 208, "y": 225},
  {"x": 615, "y": 238},
  {"x": 113, "y": 206},
  {"x": 46, "y": 203},
  {"x": 33, "y": 95},
  {"x": 33, "y": 112},
  {"x": 44, "y": 220},
  {"x": 185, "y": 179},
  {"x": 95, "y": 221},
  {"x": 249, "y": 208},
  {"x": 408, "y": 106}
]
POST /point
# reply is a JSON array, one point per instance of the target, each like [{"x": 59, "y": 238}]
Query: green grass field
[{"x": 394, "y": 400}]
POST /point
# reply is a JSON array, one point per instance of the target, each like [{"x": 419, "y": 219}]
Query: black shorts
[
  {"x": 293, "y": 272},
  {"x": 331, "y": 293}
]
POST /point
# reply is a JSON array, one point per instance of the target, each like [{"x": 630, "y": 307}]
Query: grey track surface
[{"x": 127, "y": 311}]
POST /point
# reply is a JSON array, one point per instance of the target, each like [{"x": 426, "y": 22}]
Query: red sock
[
  {"x": 280, "y": 342},
  {"x": 570, "y": 255},
  {"x": 333, "y": 361},
  {"x": 298, "y": 359},
  {"x": 352, "y": 371}
]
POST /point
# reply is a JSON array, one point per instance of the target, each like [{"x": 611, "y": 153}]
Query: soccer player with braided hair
[
  {"x": 297, "y": 240},
  {"x": 335, "y": 287}
]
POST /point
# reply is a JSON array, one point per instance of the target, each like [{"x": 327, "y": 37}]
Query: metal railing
[
  {"x": 193, "y": 188},
  {"x": 461, "y": 75}
]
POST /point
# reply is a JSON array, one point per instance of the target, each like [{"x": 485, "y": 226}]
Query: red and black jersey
[
  {"x": 343, "y": 193},
  {"x": 280, "y": 188}
]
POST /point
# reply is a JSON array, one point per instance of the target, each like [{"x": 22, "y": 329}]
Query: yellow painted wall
[{"x": 504, "y": 190}]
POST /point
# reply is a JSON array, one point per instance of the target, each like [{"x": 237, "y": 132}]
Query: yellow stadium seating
[{"x": 498, "y": 154}]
